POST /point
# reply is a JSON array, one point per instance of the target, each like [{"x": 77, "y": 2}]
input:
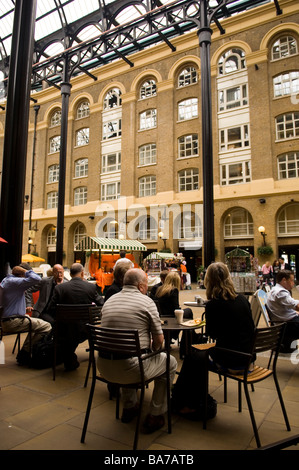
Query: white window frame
[
  {"x": 188, "y": 146},
  {"x": 80, "y": 196},
  {"x": 82, "y": 137},
  {"x": 232, "y": 55},
  {"x": 147, "y": 154},
  {"x": 83, "y": 110},
  {"x": 188, "y": 109},
  {"x": 187, "y": 76},
  {"x": 148, "y": 89},
  {"x": 285, "y": 46},
  {"x": 115, "y": 194},
  {"x": 53, "y": 173},
  {"x": 288, "y": 165},
  {"x": 286, "y": 84},
  {"x": 148, "y": 119},
  {"x": 55, "y": 144},
  {"x": 287, "y": 126},
  {"x": 113, "y": 99},
  {"x": 112, "y": 129},
  {"x": 79, "y": 234},
  {"x": 107, "y": 166},
  {"x": 51, "y": 236},
  {"x": 188, "y": 179},
  {"x": 286, "y": 225},
  {"x": 147, "y": 186},
  {"x": 55, "y": 118},
  {"x": 240, "y": 229},
  {"x": 227, "y": 142},
  {"x": 52, "y": 200},
  {"x": 244, "y": 175},
  {"x": 227, "y": 104},
  {"x": 81, "y": 167}
]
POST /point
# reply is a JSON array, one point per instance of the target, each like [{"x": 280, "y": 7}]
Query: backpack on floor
[{"x": 43, "y": 353}]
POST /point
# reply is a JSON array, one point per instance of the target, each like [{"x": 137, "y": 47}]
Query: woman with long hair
[
  {"x": 168, "y": 296},
  {"x": 228, "y": 322}
]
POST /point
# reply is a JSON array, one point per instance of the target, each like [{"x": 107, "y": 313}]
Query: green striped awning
[
  {"x": 160, "y": 256},
  {"x": 95, "y": 243}
]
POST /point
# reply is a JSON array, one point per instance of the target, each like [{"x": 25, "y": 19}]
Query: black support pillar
[
  {"x": 204, "y": 35},
  {"x": 16, "y": 134},
  {"x": 65, "y": 94}
]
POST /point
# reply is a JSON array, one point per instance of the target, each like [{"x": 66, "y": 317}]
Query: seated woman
[
  {"x": 168, "y": 296},
  {"x": 229, "y": 322}
]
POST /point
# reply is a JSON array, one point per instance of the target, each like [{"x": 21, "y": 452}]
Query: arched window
[
  {"x": 288, "y": 221},
  {"x": 79, "y": 234},
  {"x": 51, "y": 237},
  {"x": 147, "y": 186},
  {"x": 148, "y": 119},
  {"x": 80, "y": 196},
  {"x": 188, "y": 109},
  {"x": 148, "y": 89},
  {"x": 188, "y": 146},
  {"x": 231, "y": 61},
  {"x": 83, "y": 110},
  {"x": 81, "y": 167},
  {"x": 55, "y": 118},
  {"x": 286, "y": 84},
  {"x": 55, "y": 144},
  {"x": 82, "y": 137},
  {"x": 52, "y": 200},
  {"x": 147, "y": 154},
  {"x": 112, "y": 99},
  {"x": 188, "y": 179},
  {"x": 190, "y": 225},
  {"x": 288, "y": 165},
  {"x": 53, "y": 173},
  {"x": 284, "y": 47},
  {"x": 287, "y": 126},
  {"x": 147, "y": 229},
  {"x": 187, "y": 76},
  {"x": 238, "y": 224}
]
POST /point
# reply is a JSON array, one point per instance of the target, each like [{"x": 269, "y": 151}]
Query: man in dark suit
[
  {"x": 76, "y": 291},
  {"x": 45, "y": 286}
]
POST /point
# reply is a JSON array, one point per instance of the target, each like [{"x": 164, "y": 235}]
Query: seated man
[
  {"x": 118, "y": 278},
  {"x": 13, "y": 289},
  {"x": 284, "y": 308},
  {"x": 132, "y": 308},
  {"x": 76, "y": 291}
]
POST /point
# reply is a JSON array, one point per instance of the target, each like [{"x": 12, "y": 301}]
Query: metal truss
[{"x": 160, "y": 23}]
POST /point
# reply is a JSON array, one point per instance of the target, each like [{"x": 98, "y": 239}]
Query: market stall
[
  {"x": 241, "y": 270},
  {"x": 159, "y": 261},
  {"x": 102, "y": 254}
]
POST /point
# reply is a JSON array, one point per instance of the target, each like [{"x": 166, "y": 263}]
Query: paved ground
[{"x": 37, "y": 413}]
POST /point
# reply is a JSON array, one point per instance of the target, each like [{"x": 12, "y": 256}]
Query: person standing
[{"x": 13, "y": 289}]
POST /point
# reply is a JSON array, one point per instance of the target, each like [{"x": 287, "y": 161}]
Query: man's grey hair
[
  {"x": 76, "y": 268},
  {"x": 134, "y": 276}
]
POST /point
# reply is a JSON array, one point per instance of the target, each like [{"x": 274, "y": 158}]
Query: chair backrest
[
  {"x": 262, "y": 298},
  {"x": 114, "y": 341},
  {"x": 256, "y": 309},
  {"x": 83, "y": 313},
  {"x": 269, "y": 338}
]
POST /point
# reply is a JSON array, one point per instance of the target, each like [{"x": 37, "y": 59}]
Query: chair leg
[
  {"x": 253, "y": 422},
  {"x": 88, "y": 410},
  {"x": 87, "y": 373},
  {"x": 138, "y": 419},
  {"x": 240, "y": 396},
  {"x": 17, "y": 342},
  {"x": 281, "y": 402},
  {"x": 225, "y": 389}
]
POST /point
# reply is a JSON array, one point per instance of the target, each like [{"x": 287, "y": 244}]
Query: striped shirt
[{"x": 130, "y": 309}]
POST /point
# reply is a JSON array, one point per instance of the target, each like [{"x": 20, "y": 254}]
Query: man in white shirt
[
  {"x": 122, "y": 258},
  {"x": 284, "y": 308}
]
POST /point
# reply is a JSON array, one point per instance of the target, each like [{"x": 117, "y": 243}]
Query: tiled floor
[{"x": 37, "y": 413}]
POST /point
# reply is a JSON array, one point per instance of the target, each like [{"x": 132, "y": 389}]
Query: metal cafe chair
[
  {"x": 18, "y": 337},
  {"x": 120, "y": 344},
  {"x": 80, "y": 314},
  {"x": 266, "y": 339}
]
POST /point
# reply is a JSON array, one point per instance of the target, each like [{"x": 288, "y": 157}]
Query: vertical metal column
[
  {"x": 36, "y": 110},
  {"x": 65, "y": 93},
  {"x": 16, "y": 134},
  {"x": 204, "y": 35}
]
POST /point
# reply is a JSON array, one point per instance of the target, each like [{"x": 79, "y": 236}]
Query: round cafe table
[{"x": 170, "y": 324}]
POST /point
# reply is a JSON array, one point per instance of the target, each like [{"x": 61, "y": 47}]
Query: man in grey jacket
[{"x": 45, "y": 286}]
